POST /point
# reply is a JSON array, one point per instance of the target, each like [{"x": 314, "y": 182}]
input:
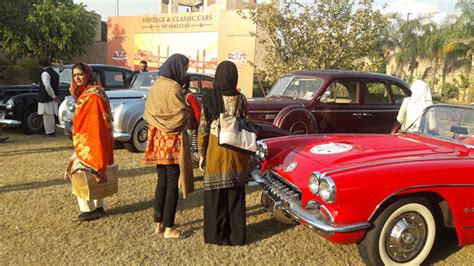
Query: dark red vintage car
[
  {"x": 329, "y": 101},
  {"x": 389, "y": 194}
]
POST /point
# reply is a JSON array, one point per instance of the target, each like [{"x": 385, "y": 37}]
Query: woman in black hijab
[{"x": 227, "y": 171}]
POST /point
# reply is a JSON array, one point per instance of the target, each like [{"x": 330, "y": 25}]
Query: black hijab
[
  {"x": 225, "y": 83},
  {"x": 174, "y": 68}
]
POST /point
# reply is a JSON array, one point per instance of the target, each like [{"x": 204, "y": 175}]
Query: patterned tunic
[{"x": 162, "y": 148}]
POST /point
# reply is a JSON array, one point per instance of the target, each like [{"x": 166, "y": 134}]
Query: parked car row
[
  {"x": 388, "y": 193},
  {"x": 19, "y": 103},
  {"x": 343, "y": 176}
]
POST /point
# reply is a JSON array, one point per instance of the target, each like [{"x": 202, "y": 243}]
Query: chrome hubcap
[
  {"x": 299, "y": 128},
  {"x": 406, "y": 237},
  {"x": 35, "y": 121},
  {"x": 142, "y": 135}
]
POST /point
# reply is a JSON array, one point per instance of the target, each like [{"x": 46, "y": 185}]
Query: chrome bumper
[
  {"x": 60, "y": 126},
  {"x": 121, "y": 136},
  {"x": 9, "y": 122},
  {"x": 284, "y": 204}
]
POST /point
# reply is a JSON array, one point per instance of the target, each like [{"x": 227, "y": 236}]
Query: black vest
[{"x": 43, "y": 96}]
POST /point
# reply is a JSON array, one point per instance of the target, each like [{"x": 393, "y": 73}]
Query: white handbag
[{"x": 237, "y": 133}]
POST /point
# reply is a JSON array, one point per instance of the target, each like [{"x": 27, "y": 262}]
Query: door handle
[
  {"x": 357, "y": 114},
  {"x": 367, "y": 114}
]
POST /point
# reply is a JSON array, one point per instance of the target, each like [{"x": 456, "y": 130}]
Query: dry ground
[{"x": 37, "y": 224}]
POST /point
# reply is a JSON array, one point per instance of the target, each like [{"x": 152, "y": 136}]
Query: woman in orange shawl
[{"x": 92, "y": 135}]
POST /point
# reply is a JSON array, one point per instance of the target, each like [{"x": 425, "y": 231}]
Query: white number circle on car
[{"x": 331, "y": 148}]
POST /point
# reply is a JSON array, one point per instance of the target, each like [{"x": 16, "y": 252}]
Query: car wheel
[
  {"x": 138, "y": 141},
  {"x": 403, "y": 234},
  {"x": 32, "y": 122},
  {"x": 297, "y": 121}
]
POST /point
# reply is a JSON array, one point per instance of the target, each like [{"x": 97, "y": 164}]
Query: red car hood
[{"x": 342, "y": 150}]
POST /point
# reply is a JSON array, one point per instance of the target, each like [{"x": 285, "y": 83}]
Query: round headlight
[
  {"x": 327, "y": 189},
  {"x": 313, "y": 183},
  {"x": 70, "y": 105},
  {"x": 10, "y": 104},
  {"x": 262, "y": 150}
]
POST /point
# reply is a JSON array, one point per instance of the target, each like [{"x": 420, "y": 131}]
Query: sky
[{"x": 438, "y": 8}]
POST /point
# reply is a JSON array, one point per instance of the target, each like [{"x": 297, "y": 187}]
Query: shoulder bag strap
[{"x": 237, "y": 107}]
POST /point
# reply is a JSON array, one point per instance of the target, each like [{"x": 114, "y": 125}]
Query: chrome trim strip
[
  {"x": 264, "y": 112},
  {"x": 354, "y": 111},
  {"x": 314, "y": 220},
  {"x": 415, "y": 187},
  {"x": 411, "y": 160},
  {"x": 120, "y": 136},
  {"x": 286, "y": 181},
  {"x": 10, "y": 122},
  {"x": 319, "y": 224}
]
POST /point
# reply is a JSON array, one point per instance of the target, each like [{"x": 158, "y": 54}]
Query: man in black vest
[{"x": 48, "y": 101}]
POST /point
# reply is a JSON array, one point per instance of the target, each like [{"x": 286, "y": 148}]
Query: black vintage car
[{"x": 20, "y": 102}]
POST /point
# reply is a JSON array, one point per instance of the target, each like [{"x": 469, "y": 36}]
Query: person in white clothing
[
  {"x": 47, "y": 97},
  {"x": 412, "y": 107}
]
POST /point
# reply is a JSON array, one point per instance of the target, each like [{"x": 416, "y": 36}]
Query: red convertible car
[{"x": 389, "y": 194}]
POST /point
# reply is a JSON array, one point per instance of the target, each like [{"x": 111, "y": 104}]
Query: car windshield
[
  {"x": 65, "y": 75},
  {"x": 296, "y": 87},
  {"x": 144, "y": 80},
  {"x": 453, "y": 123}
]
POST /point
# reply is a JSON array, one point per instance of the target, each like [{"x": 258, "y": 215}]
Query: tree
[
  {"x": 12, "y": 23},
  {"x": 434, "y": 41},
  {"x": 330, "y": 34},
  {"x": 463, "y": 44},
  {"x": 56, "y": 29}
]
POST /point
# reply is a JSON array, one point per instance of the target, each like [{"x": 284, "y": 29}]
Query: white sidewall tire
[{"x": 430, "y": 224}]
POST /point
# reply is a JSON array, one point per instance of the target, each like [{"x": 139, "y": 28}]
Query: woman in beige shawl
[{"x": 168, "y": 145}]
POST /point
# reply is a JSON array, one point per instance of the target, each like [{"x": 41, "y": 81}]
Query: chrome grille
[{"x": 279, "y": 189}]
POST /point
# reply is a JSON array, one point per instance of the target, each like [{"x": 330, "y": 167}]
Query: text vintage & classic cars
[
  {"x": 127, "y": 108},
  {"x": 329, "y": 101},
  {"x": 20, "y": 102},
  {"x": 390, "y": 194}
]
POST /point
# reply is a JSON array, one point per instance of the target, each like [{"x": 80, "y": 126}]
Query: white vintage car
[{"x": 127, "y": 108}]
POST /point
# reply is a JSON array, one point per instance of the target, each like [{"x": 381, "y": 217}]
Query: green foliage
[
  {"x": 330, "y": 34},
  {"x": 26, "y": 71},
  {"x": 56, "y": 29},
  {"x": 450, "y": 91}
]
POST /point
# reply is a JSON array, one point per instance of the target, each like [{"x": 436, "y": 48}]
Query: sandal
[{"x": 176, "y": 235}]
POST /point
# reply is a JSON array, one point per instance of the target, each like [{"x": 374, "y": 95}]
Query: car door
[
  {"x": 380, "y": 107},
  {"x": 338, "y": 108}
]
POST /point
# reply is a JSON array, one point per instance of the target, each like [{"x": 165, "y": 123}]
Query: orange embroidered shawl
[{"x": 92, "y": 130}]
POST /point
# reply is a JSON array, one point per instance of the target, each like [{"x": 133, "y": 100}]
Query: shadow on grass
[
  {"x": 40, "y": 150},
  {"x": 446, "y": 244},
  {"x": 125, "y": 173},
  {"x": 133, "y": 172},
  {"x": 131, "y": 208},
  {"x": 32, "y": 185}
]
